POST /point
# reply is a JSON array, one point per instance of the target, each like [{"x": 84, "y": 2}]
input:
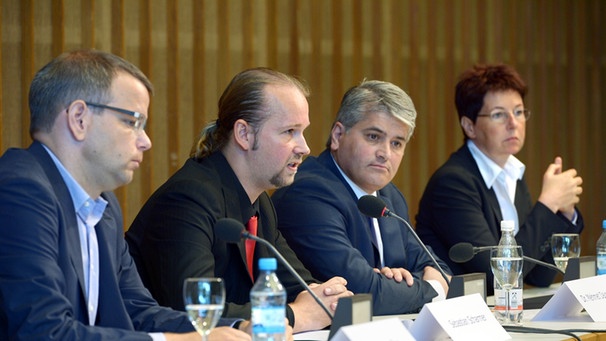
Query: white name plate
[
  {"x": 572, "y": 297},
  {"x": 390, "y": 329},
  {"x": 461, "y": 318}
]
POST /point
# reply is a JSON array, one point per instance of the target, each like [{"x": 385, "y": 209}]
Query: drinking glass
[
  {"x": 506, "y": 265},
  {"x": 204, "y": 298},
  {"x": 564, "y": 246}
]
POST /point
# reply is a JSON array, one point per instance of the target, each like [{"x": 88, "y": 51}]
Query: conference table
[{"x": 583, "y": 327}]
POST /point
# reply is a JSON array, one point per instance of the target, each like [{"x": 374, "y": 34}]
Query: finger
[
  {"x": 553, "y": 169},
  {"x": 571, "y": 173},
  {"x": 558, "y": 163},
  {"x": 387, "y": 272},
  {"x": 334, "y": 289},
  {"x": 338, "y": 280},
  {"x": 398, "y": 276},
  {"x": 409, "y": 279}
]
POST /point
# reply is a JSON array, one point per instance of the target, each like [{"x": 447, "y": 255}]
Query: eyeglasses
[
  {"x": 502, "y": 116},
  {"x": 138, "y": 124}
]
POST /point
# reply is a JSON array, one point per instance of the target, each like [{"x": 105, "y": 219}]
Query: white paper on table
[
  {"x": 572, "y": 297},
  {"x": 460, "y": 318}
]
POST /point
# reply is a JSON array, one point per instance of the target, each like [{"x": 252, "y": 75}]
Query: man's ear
[
  {"x": 338, "y": 130},
  {"x": 78, "y": 119},
  {"x": 243, "y": 134},
  {"x": 468, "y": 127}
]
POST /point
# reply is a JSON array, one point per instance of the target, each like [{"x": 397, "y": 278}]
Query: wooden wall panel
[{"x": 190, "y": 49}]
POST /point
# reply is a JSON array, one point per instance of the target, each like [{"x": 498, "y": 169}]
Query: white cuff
[
  {"x": 157, "y": 336},
  {"x": 439, "y": 289}
]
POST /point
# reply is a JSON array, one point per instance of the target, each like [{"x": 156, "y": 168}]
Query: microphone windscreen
[
  {"x": 461, "y": 252},
  {"x": 229, "y": 230},
  {"x": 371, "y": 206}
]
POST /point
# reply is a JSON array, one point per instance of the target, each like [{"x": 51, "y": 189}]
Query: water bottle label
[
  {"x": 500, "y": 301},
  {"x": 601, "y": 264},
  {"x": 515, "y": 299},
  {"x": 268, "y": 320}
]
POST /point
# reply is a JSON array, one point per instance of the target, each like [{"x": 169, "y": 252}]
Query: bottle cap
[
  {"x": 268, "y": 264},
  {"x": 507, "y": 225},
  {"x": 604, "y": 224}
]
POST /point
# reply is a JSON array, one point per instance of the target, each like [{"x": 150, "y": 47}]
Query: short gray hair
[{"x": 375, "y": 96}]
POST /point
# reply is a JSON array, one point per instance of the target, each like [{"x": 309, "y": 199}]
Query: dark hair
[
  {"x": 481, "y": 79},
  {"x": 375, "y": 96},
  {"x": 244, "y": 98},
  {"x": 81, "y": 74}
]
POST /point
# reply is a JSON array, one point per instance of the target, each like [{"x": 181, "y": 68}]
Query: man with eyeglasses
[
  {"x": 483, "y": 182},
  {"x": 65, "y": 270}
]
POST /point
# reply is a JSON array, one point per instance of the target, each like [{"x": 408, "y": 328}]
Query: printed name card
[
  {"x": 461, "y": 318},
  {"x": 391, "y": 329},
  {"x": 572, "y": 297}
]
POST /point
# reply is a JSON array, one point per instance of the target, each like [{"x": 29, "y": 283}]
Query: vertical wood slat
[
  {"x": 421, "y": 46},
  {"x": 413, "y": 155},
  {"x": 88, "y": 23},
  {"x": 1, "y": 85},
  {"x": 376, "y": 36},
  {"x": 173, "y": 119},
  {"x": 317, "y": 90},
  {"x": 272, "y": 31},
  {"x": 58, "y": 24},
  {"x": 432, "y": 113},
  {"x": 336, "y": 76},
  {"x": 597, "y": 70},
  {"x": 224, "y": 70},
  {"x": 248, "y": 34},
  {"x": 27, "y": 64},
  {"x": 293, "y": 42},
  {"x": 357, "y": 59},
  {"x": 118, "y": 48},
  {"x": 199, "y": 66},
  {"x": 145, "y": 64}
]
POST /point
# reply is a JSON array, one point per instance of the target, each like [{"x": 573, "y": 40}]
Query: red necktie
[{"x": 250, "y": 244}]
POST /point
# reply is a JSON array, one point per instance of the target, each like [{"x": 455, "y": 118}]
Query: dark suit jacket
[
  {"x": 319, "y": 218},
  {"x": 458, "y": 207},
  {"x": 173, "y": 236},
  {"x": 41, "y": 274}
]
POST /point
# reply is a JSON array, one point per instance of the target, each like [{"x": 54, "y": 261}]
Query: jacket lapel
[
  {"x": 491, "y": 197},
  {"x": 67, "y": 210}
]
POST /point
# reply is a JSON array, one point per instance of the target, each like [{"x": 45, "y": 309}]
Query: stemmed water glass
[
  {"x": 204, "y": 299},
  {"x": 506, "y": 264},
  {"x": 564, "y": 246}
]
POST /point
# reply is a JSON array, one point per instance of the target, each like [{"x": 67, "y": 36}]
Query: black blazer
[
  {"x": 458, "y": 207},
  {"x": 172, "y": 238},
  {"x": 41, "y": 274}
]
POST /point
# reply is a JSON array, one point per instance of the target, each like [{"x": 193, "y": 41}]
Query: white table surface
[{"x": 583, "y": 323}]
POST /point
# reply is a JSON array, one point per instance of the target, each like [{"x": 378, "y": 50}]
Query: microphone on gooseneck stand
[
  {"x": 232, "y": 231},
  {"x": 464, "y": 252},
  {"x": 375, "y": 208}
]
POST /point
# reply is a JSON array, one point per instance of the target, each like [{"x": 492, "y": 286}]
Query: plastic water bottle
[
  {"x": 268, "y": 300},
  {"x": 600, "y": 250},
  {"x": 516, "y": 306}
]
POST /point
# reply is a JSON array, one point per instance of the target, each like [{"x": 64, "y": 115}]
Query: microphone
[
  {"x": 375, "y": 208},
  {"x": 463, "y": 252},
  {"x": 232, "y": 231}
]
